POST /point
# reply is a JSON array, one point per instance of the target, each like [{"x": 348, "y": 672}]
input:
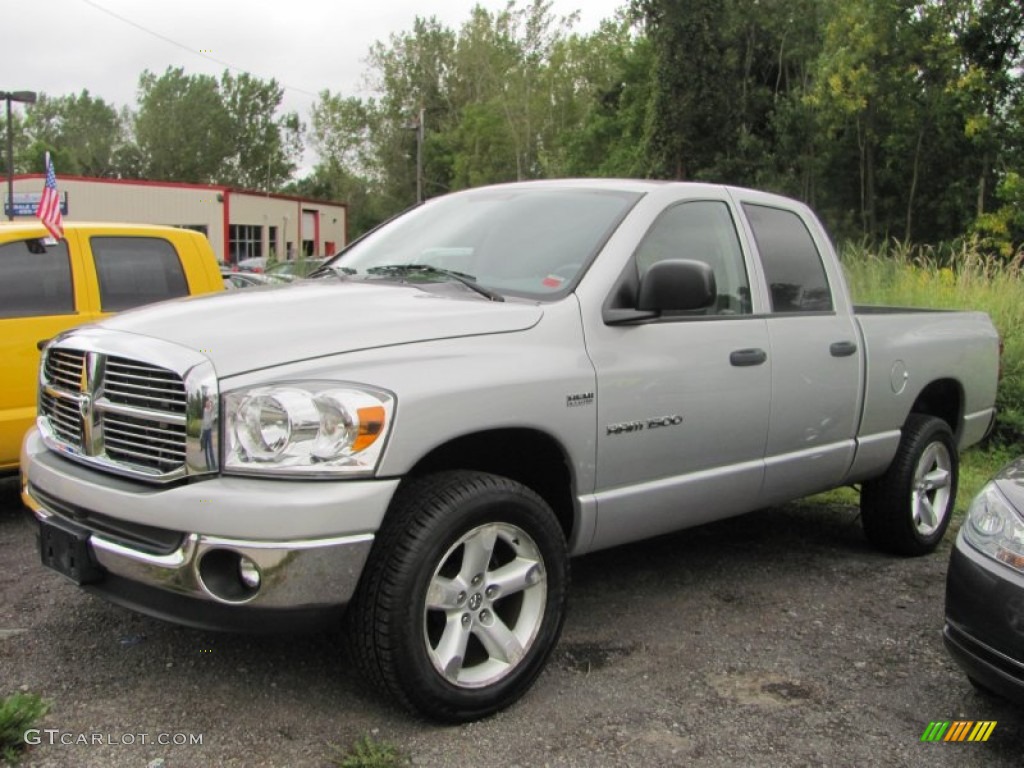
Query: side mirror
[{"x": 677, "y": 285}]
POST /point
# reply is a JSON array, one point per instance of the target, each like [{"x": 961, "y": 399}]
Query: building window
[
  {"x": 245, "y": 241},
  {"x": 201, "y": 228}
]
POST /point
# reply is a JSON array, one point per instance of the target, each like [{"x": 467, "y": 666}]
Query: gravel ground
[{"x": 778, "y": 638}]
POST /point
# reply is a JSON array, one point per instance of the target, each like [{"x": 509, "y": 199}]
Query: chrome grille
[
  {"x": 65, "y": 417},
  {"x": 137, "y": 416},
  {"x": 138, "y": 441},
  {"x": 140, "y": 385},
  {"x": 64, "y": 368}
]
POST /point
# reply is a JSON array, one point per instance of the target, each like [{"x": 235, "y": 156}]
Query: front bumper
[
  {"x": 984, "y": 631},
  {"x": 174, "y": 552}
]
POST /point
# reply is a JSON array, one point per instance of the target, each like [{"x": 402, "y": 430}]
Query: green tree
[
  {"x": 611, "y": 72},
  {"x": 890, "y": 116},
  {"x": 413, "y": 77},
  {"x": 919, "y": 94},
  {"x": 340, "y": 135},
  {"x": 1002, "y": 230},
  {"x": 194, "y": 128},
  {"x": 727, "y": 85},
  {"x": 84, "y": 135},
  {"x": 340, "y": 131},
  {"x": 484, "y": 144},
  {"x": 20, "y": 141},
  {"x": 263, "y": 146},
  {"x": 694, "y": 86},
  {"x": 182, "y": 127},
  {"x": 513, "y": 94},
  {"x": 990, "y": 34}
]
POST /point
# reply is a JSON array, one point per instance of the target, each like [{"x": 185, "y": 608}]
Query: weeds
[
  {"x": 958, "y": 276},
  {"x": 370, "y": 753},
  {"x": 953, "y": 276},
  {"x": 18, "y": 713}
]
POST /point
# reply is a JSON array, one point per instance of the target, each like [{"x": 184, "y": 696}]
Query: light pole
[{"x": 26, "y": 97}]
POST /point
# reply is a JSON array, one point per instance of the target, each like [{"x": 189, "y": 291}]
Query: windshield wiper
[
  {"x": 398, "y": 270},
  {"x": 327, "y": 269}
]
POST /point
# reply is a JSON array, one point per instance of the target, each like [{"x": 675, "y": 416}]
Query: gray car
[{"x": 235, "y": 280}]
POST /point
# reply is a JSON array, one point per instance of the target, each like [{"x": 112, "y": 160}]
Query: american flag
[{"x": 49, "y": 204}]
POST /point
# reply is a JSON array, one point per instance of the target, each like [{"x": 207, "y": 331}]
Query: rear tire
[
  {"x": 463, "y": 597},
  {"x": 906, "y": 511}
]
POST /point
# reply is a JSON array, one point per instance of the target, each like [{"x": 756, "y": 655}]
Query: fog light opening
[{"x": 229, "y": 576}]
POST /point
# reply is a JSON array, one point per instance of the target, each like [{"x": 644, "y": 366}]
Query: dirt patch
[
  {"x": 760, "y": 690},
  {"x": 589, "y": 657}
]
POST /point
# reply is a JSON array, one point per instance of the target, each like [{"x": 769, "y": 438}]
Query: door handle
[
  {"x": 842, "y": 348},
  {"x": 743, "y": 358}
]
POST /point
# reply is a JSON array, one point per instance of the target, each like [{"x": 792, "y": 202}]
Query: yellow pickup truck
[{"x": 48, "y": 286}]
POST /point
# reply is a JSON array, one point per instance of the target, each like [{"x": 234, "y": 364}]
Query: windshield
[{"x": 531, "y": 242}]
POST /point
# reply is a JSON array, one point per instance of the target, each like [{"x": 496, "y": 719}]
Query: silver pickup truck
[{"x": 415, "y": 441}]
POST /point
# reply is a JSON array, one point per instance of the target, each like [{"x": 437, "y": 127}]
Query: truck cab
[{"x": 48, "y": 286}]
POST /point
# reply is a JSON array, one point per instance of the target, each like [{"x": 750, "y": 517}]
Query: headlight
[
  {"x": 306, "y": 428},
  {"x": 994, "y": 527}
]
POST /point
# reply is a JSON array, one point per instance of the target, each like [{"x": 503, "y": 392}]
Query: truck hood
[{"x": 256, "y": 328}]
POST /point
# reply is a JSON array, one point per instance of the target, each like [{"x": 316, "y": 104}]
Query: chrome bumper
[
  {"x": 305, "y": 548},
  {"x": 294, "y": 574}
]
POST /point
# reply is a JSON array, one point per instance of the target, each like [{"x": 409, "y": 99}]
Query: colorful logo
[{"x": 959, "y": 730}]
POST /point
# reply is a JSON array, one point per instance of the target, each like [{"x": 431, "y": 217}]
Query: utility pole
[
  {"x": 417, "y": 126},
  {"x": 419, "y": 156}
]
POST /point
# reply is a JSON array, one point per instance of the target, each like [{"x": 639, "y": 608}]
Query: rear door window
[
  {"x": 133, "y": 271},
  {"x": 792, "y": 264},
  {"x": 35, "y": 279}
]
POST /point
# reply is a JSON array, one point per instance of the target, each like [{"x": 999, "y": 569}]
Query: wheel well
[
  {"x": 527, "y": 456},
  {"x": 943, "y": 399}
]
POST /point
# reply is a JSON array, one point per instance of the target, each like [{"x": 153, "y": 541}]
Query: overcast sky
[{"x": 59, "y": 47}]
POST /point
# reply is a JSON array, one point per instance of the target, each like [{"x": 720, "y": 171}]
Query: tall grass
[{"x": 957, "y": 277}]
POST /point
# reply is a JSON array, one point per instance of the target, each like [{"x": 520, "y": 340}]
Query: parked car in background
[
  {"x": 984, "y": 629},
  {"x": 234, "y": 280},
  {"x": 48, "y": 286},
  {"x": 296, "y": 268},
  {"x": 255, "y": 264},
  {"x": 293, "y": 267}
]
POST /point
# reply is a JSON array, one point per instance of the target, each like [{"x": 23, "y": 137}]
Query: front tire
[
  {"x": 907, "y": 510},
  {"x": 463, "y": 598}
]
